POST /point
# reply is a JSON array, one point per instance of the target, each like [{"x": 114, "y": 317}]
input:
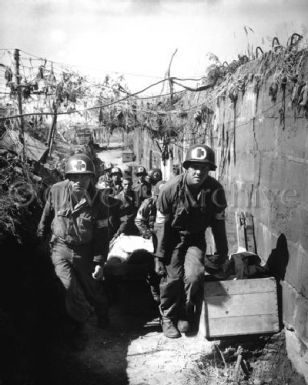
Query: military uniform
[
  {"x": 145, "y": 217},
  {"x": 116, "y": 183},
  {"x": 180, "y": 228},
  {"x": 116, "y": 188},
  {"x": 146, "y": 214},
  {"x": 127, "y": 212},
  {"x": 78, "y": 242}
]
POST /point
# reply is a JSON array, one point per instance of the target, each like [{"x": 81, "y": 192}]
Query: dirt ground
[{"x": 133, "y": 351}]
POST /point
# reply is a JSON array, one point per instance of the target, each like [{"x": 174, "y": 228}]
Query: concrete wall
[
  {"x": 262, "y": 156},
  {"x": 266, "y": 172}
]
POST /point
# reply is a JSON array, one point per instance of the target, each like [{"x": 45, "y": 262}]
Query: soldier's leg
[
  {"x": 193, "y": 279},
  {"x": 93, "y": 290},
  {"x": 172, "y": 292},
  {"x": 152, "y": 278},
  {"x": 193, "y": 272},
  {"x": 77, "y": 306}
]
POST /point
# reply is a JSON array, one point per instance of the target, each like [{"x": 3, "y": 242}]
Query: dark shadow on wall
[
  {"x": 277, "y": 266},
  {"x": 279, "y": 258}
]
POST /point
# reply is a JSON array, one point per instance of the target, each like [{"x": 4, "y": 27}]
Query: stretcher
[{"x": 129, "y": 257}]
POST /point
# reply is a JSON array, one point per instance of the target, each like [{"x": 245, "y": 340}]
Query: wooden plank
[
  {"x": 250, "y": 233},
  {"x": 240, "y": 286},
  {"x": 241, "y": 305},
  {"x": 257, "y": 324},
  {"x": 240, "y": 229}
]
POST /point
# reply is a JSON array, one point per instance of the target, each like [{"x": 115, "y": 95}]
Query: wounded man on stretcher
[{"x": 132, "y": 257}]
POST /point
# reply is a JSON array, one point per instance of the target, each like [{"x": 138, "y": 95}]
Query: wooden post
[
  {"x": 238, "y": 363},
  {"x": 250, "y": 234},
  {"x": 19, "y": 100},
  {"x": 170, "y": 81},
  {"x": 52, "y": 132},
  {"x": 240, "y": 230},
  {"x": 245, "y": 231}
]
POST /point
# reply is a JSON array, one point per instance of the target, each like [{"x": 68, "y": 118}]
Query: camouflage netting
[{"x": 22, "y": 192}]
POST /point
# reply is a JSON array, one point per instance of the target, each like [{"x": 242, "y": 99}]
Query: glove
[{"x": 160, "y": 268}]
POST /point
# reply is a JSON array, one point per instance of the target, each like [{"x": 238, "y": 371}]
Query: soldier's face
[
  {"x": 126, "y": 185},
  {"x": 80, "y": 182},
  {"x": 156, "y": 176},
  {"x": 141, "y": 177},
  {"x": 197, "y": 173},
  {"x": 116, "y": 177}
]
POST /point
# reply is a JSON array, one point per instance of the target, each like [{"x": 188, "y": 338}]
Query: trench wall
[
  {"x": 262, "y": 150},
  {"x": 261, "y": 146}
]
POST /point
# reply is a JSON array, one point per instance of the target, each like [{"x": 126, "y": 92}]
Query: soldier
[
  {"x": 141, "y": 188},
  {"x": 116, "y": 180},
  {"x": 146, "y": 214},
  {"x": 78, "y": 249},
  {"x": 186, "y": 206},
  {"x": 107, "y": 170},
  {"x": 155, "y": 176},
  {"x": 144, "y": 221},
  {"x": 127, "y": 209}
]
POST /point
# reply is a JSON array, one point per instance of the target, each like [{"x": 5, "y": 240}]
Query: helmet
[
  {"x": 102, "y": 182},
  {"x": 116, "y": 170},
  {"x": 200, "y": 153},
  {"x": 141, "y": 171},
  {"x": 108, "y": 166},
  {"x": 155, "y": 174},
  {"x": 79, "y": 164},
  {"x": 158, "y": 187}
]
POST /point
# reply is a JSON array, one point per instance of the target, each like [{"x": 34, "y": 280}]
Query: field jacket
[
  {"x": 179, "y": 213},
  {"x": 77, "y": 224},
  {"x": 146, "y": 216}
]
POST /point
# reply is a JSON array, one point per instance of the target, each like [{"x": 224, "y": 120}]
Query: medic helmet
[
  {"x": 200, "y": 153},
  {"x": 79, "y": 164}
]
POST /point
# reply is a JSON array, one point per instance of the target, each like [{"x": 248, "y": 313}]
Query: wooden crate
[{"x": 240, "y": 307}]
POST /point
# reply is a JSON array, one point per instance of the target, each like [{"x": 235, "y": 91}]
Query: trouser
[
  {"x": 185, "y": 272},
  {"x": 83, "y": 294},
  {"x": 146, "y": 259}
]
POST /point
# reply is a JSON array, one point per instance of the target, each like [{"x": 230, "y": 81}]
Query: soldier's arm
[
  {"x": 220, "y": 235},
  {"x": 47, "y": 216},
  {"x": 142, "y": 219},
  {"x": 162, "y": 224},
  {"x": 102, "y": 230},
  {"x": 218, "y": 222}
]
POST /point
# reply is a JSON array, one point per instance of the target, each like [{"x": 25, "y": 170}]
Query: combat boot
[{"x": 169, "y": 329}]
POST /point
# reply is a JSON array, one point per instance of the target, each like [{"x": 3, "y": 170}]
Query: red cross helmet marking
[
  {"x": 198, "y": 153},
  {"x": 79, "y": 165}
]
